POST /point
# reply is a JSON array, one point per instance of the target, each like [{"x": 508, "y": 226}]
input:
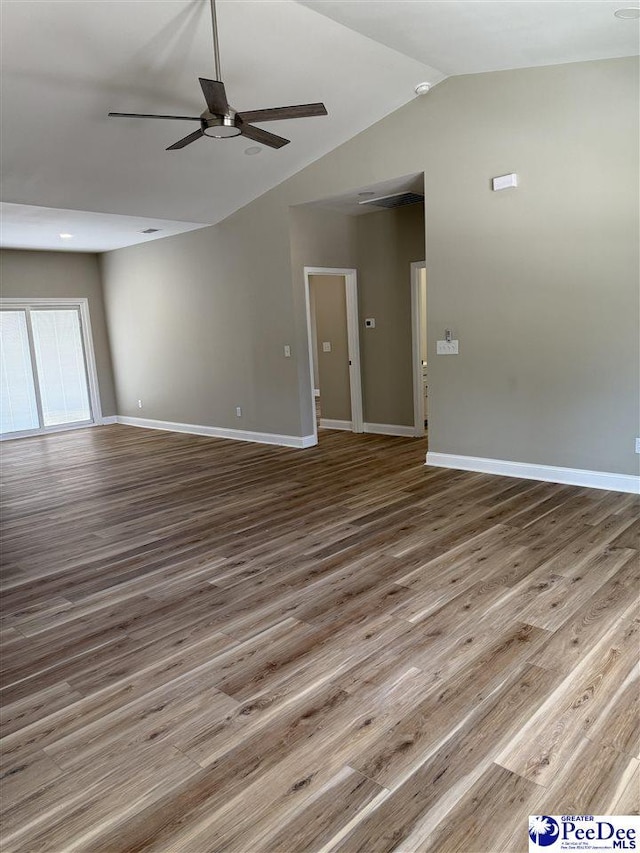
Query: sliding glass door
[{"x": 44, "y": 378}]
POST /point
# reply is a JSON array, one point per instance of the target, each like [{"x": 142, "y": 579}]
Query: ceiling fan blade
[
  {"x": 263, "y": 136},
  {"x": 276, "y": 113},
  {"x": 187, "y": 140},
  {"x": 144, "y": 115},
  {"x": 215, "y": 96}
]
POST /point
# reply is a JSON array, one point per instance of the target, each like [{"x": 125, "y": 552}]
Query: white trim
[
  {"x": 548, "y": 473},
  {"x": 416, "y": 360},
  {"x": 353, "y": 337},
  {"x": 328, "y": 423},
  {"x": 391, "y": 429},
  {"x": 32, "y": 433},
  {"x": 90, "y": 360},
  {"x": 109, "y": 419},
  {"x": 223, "y": 432},
  {"x": 316, "y": 392}
]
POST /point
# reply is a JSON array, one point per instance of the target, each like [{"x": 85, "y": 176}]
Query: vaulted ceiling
[{"x": 67, "y": 63}]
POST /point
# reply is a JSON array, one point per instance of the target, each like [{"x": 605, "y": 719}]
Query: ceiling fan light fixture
[
  {"x": 222, "y": 127},
  {"x": 629, "y": 13}
]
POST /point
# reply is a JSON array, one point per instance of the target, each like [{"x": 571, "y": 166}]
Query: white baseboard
[
  {"x": 223, "y": 432},
  {"x": 548, "y": 473},
  {"x": 329, "y": 423},
  {"x": 390, "y": 429},
  {"x": 109, "y": 419}
]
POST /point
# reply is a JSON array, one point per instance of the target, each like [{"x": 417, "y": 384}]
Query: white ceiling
[
  {"x": 26, "y": 226},
  {"x": 473, "y": 36},
  {"x": 67, "y": 63},
  {"x": 352, "y": 202}
]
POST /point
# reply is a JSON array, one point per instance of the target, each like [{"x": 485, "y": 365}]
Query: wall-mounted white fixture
[
  {"x": 370, "y": 323},
  {"x": 505, "y": 182},
  {"x": 238, "y": 411},
  {"x": 326, "y": 346},
  {"x": 287, "y": 351},
  {"x": 446, "y": 347}
]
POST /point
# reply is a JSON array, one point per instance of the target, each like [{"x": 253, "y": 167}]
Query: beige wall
[
  {"x": 539, "y": 284},
  {"x": 32, "y": 275},
  {"x": 381, "y": 246},
  {"x": 388, "y": 242},
  {"x": 329, "y": 296}
]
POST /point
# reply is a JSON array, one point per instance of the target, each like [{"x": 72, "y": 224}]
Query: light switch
[
  {"x": 446, "y": 347},
  {"x": 287, "y": 351},
  {"x": 326, "y": 346}
]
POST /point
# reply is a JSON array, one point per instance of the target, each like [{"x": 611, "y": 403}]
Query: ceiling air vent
[
  {"x": 149, "y": 230},
  {"x": 395, "y": 200}
]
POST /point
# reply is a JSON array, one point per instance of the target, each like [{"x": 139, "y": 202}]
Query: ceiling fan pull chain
[{"x": 216, "y": 48}]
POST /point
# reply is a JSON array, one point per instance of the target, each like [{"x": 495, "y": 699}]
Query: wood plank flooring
[{"x": 217, "y": 646}]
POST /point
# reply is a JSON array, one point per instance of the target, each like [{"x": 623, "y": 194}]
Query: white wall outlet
[
  {"x": 326, "y": 346},
  {"x": 637, "y": 445},
  {"x": 238, "y": 411},
  {"x": 504, "y": 182},
  {"x": 447, "y": 348},
  {"x": 139, "y": 404},
  {"x": 287, "y": 351},
  {"x": 370, "y": 323}
]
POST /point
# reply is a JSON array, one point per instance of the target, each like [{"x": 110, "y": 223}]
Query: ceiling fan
[{"x": 221, "y": 121}]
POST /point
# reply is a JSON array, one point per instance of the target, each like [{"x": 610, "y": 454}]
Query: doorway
[
  {"x": 419, "y": 347},
  {"x": 334, "y": 349},
  {"x": 47, "y": 370}
]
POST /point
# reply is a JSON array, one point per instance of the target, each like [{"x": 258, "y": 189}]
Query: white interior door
[
  {"x": 419, "y": 345},
  {"x": 353, "y": 343},
  {"x": 45, "y": 380}
]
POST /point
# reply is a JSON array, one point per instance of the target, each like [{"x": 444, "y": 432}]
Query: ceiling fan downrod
[{"x": 216, "y": 48}]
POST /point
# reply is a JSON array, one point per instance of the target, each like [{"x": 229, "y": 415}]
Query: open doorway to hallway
[
  {"x": 380, "y": 232},
  {"x": 334, "y": 348}
]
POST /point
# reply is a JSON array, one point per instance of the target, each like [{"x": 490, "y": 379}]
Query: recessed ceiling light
[
  {"x": 629, "y": 14},
  {"x": 366, "y": 194},
  {"x": 253, "y": 149},
  {"x": 422, "y": 88},
  {"x": 66, "y": 236}
]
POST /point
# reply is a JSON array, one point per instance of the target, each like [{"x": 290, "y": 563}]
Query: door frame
[
  {"x": 353, "y": 341},
  {"x": 418, "y": 393},
  {"x": 82, "y": 304}
]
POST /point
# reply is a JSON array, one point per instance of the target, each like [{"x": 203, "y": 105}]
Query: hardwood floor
[{"x": 216, "y": 646}]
